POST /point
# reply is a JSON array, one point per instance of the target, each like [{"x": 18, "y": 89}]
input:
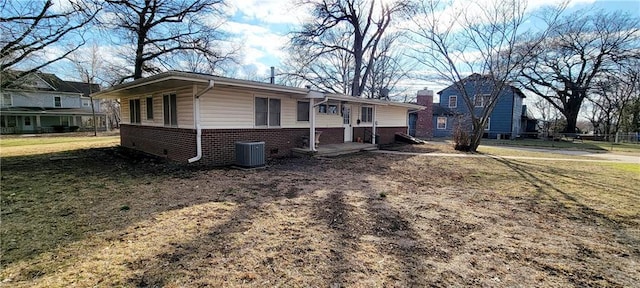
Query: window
[
  {"x": 134, "y": 111},
  {"x": 367, "y": 115},
  {"x": 27, "y": 121},
  {"x": 328, "y": 109},
  {"x": 453, "y": 101},
  {"x": 85, "y": 103},
  {"x": 442, "y": 123},
  {"x": 333, "y": 109},
  {"x": 6, "y": 99},
  {"x": 267, "y": 112},
  {"x": 303, "y": 111},
  {"x": 322, "y": 108},
  {"x": 170, "y": 110},
  {"x": 481, "y": 100},
  {"x": 149, "y": 108},
  {"x": 57, "y": 102},
  {"x": 274, "y": 112}
]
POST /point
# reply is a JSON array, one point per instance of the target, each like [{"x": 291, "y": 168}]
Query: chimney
[
  {"x": 272, "y": 80},
  {"x": 424, "y": 123}
]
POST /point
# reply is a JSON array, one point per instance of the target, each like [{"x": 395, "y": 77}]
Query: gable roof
[
  {"x": 53, "y": 81},
  {"x": 477, "y": 77}
]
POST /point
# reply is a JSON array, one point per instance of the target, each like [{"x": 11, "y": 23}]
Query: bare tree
[
  {"x": 327, "y": 71},
  {"x": 389, "y": 68},
  {"x": 480, "y": 39},
  {"x": 546, "y": 113},
  {"x": 579, "y": 49},
  {"x": 28, "y": 28},
  {"x": 88, "y": 66},
  {"x": 613, "y": 93},
  {"x": 349, "y": 29},
  {"x": 158, "y": 30}
]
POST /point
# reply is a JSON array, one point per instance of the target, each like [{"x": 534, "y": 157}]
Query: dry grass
[
  {"x": 111, "y": 218},
  {"x": 21, "y": 146}
]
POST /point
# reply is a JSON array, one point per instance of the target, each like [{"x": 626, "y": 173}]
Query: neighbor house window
[
  {"x": 442, "y": 123},
  {"x": 27, "y": 121},
  {"x": 453, "y": 101},
  {"x": 481, "y": 100},
  {"x": 367, "y": 115},
  {"x": 6, "y": 99},
  {"x": 134, "y": 111},
  {"x": 85, "y": 103},
  {"x": 303, "y": 111},
  {"x": 267, "y": 111},
  {"x": 149, "y": 108},
  {"x": 57, "y": 102},
  {"x": 170, "y": 108}
]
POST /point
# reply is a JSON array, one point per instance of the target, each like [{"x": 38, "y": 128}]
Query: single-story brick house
[{"x": 191, "y": 117}]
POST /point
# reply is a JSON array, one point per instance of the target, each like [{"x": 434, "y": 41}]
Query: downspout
[
  {"x": 198, "y": 127},
  {"x": 312, "y": 122}
]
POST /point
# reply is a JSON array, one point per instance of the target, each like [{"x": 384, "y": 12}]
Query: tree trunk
[
  {"x": 475, "y": 139},
  {"x": 139, "y": 61},
  {"x": 571, "y": 111}
]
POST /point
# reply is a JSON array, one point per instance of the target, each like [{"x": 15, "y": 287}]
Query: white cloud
[
  {"x": 269, "y": 11},
  {"x": 258, "y": 42}
]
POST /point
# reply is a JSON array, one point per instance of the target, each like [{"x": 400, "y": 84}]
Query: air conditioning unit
[{"x": 250, "y": 154}]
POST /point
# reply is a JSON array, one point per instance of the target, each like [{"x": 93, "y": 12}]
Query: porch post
[
  {"x": 373, "y": 126},
  {"x": 312, "y": 126}
]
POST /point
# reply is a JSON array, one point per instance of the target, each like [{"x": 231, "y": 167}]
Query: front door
[
  {"x": 346, "y": 122},
  {"x": 28, "y": 124}
]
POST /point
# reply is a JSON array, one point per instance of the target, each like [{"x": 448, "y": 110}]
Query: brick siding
[
  {"x": 424, "y": 121},
  {"x": 218, "y": 145},
  {"x": 387, "y": 134}
]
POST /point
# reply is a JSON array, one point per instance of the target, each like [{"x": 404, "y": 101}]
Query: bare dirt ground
[{"x": 110, "y": 218}]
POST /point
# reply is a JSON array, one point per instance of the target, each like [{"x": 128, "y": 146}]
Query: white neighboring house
[{"x": 43, "y": 103}]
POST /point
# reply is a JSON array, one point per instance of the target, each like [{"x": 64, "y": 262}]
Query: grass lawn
[
  {"x": 108, "y": 217},
  {"x": 20, "y": 146},
  {"x": 594, "y": 146}
]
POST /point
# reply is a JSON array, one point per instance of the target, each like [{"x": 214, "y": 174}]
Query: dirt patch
[{"x": 355, "y": 220}]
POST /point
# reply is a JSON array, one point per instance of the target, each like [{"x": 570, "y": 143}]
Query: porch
[{"x": 329, "y": 150}]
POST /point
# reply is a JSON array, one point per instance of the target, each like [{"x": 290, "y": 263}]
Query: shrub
[{"x": 461, "y": 139}]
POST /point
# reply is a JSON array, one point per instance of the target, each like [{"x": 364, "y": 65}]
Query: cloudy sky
[{"x": 261, "y": 26}]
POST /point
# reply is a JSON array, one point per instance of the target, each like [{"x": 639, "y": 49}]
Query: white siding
[
  {"x": 226, "y": 108},
  {"x": 124, "y": 110},
  {"x": 184, "y": 99},
  {"x": 391, "y": 116}
]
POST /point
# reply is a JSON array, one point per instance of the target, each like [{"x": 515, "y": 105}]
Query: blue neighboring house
[{"x": 506, "y": 121}]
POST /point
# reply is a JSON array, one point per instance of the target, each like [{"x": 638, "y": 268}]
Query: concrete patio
[{"x": 328, "y": 150}]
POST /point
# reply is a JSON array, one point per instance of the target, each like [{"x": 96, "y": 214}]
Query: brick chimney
[{"x": 424, "y": 123}]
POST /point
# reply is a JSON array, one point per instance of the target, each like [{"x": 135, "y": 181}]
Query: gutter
[{"x": 198, "y": 127}]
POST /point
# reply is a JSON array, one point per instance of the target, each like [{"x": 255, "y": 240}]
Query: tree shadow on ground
[
  {"x": 565, "y": 204},
  {"x": 50, "y": 200},
  {"x": 351, "y": 211}
]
